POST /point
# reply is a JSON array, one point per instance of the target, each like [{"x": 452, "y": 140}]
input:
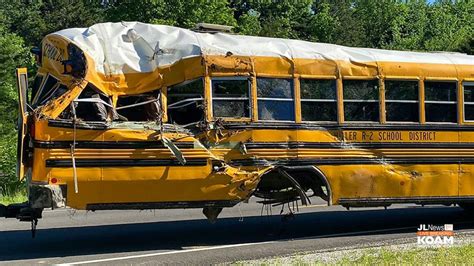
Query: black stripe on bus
[
  {"x": 109, "y": 145},
  {"x": 91, "y": 125},
  {"x": 351, "y": 161},
  {"x": 358, "y": 126},
  {"x": 282, "y": 125},
  {"x": 161, "y": 205},
  {"x": 358, "y": 145},
  {"x": 99, "y": 162},
  {"x": 397, "y": 200},
  {"x": 255, "y": 145}
]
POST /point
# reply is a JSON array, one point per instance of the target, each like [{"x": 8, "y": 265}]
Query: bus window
[
  {"x": 45, "y": 91},
  {"x": 401, "y": 100},
  {"x": 91, "y": 105},
  {"x": 275, "y": 99},
  {"x": 361, "y": 100},
  {"x": 36, "y": 86},
  {"x": 57, "y": 91},
  {"x": 469, "y": 101},
  {"x": 230, "y": 97},
  {"x": 318, "y": 100},
  {"x": 185, "y": 102},
  {"x": 145, "y": 107},
  {"x": 440, "y": 101}
]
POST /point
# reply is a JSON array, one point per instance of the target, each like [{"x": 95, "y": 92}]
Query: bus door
[{"x": 22, "y": 86}]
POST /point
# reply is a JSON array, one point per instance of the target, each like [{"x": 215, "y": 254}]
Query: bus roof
[{"x": 134, "y": 47}]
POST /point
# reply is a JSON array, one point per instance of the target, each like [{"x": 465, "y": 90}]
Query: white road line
[
  {"x": 166, "y": 253},
  {"x": 232, "y": 246},
  {"x": 244, "y": 244}
]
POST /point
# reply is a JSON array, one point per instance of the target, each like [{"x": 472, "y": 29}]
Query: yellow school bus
[{"x": 136, "y": 116}]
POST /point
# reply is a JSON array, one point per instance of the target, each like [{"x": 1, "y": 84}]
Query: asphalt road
[{"x": 186, "y": 237}]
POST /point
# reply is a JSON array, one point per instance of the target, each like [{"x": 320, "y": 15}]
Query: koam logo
[
  {"x": 435, "y": 240},
  {"x": 429, "y": 234}
]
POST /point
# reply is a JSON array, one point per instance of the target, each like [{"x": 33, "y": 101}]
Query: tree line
[{"x": 442, "y": 25}]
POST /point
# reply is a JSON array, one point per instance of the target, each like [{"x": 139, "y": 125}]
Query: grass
[
  {"x": 455, "y": 255},
  {"x": 16, "y": 198}
]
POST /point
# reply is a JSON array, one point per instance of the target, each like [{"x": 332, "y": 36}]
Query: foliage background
[{"x": 442, "y": 25}]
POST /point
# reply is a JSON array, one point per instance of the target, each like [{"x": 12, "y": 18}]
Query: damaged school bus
[{"x": 137, "y": 116}]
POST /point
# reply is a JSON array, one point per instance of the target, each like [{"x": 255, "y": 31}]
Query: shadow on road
[{"x": 89, "y": 240}]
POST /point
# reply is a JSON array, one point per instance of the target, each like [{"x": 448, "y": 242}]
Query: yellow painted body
[{"x": 378, "y": 178}]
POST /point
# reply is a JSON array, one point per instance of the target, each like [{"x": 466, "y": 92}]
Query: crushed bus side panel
[
  {"x": 162, "y": 130},
  {"x": 146, "y": 144}
]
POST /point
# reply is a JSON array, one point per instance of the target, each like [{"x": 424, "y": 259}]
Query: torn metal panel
[
  {"x": 54, "y": 108},
  {"x": 174, "y": 149}
]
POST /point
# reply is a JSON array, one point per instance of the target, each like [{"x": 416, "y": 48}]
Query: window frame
[
  {"x": 39, "y": 87},
  {"x": 203, "y": 98},
  {"x": 369, "y": 78},
  {"x": 455, "y": 103},
  {"x": 170, "y": 87},
  {"x": 417, "y": 80},
  {"x": 158, "y": 99},
  {"x": 230, "y": 78},
  {"x": 464, "y": 83},
  {"x": 320, "y": 100},
  {"x": 292, "y": 100},
  {"x": 34, "y": 101}
]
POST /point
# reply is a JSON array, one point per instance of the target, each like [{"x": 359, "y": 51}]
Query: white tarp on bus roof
[{"x": 130, "y": 47}]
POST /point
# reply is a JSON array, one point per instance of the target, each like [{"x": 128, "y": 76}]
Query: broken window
[
  {"x": 318, "y": 100},
  {"x": 440, "y": 101},
  {"x": 401, "y": 100},
  {"x": 469, "y": 101},
  {"x": 230, "y": 97},
  {"x": 143, "y": 107},
  {"x": 36, "y": 86},
  {"x": 275, "y": 99},
  {"x": 46, "y": 91},
  {"x": 94, "y": 106},
  {"x": 361, "y": 100},
  {"x": 185, "y": 102},
  {"x": 91, "y": 105}
]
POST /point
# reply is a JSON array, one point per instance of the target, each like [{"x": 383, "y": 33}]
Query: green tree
[
  {"x": 323, "y": 24},
  {"x": 34, "y": 19},
  {"x": 379, "y": 20},
  {"x": 342, "y": 27},
  {"x": 128, "y": 10},
  {"x": 410, "y": 28},
  {"x": 283, "y": 19},
  {"x": 451, "y": 25},
  {"x": 13, "y": 54},
  {"x": 249, "y": 23},
  {"x": 467, "y": 47},
  {"x": 179, "y": 13}
]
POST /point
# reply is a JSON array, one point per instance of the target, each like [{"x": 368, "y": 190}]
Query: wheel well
[{"x": 285, "y": 184}]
